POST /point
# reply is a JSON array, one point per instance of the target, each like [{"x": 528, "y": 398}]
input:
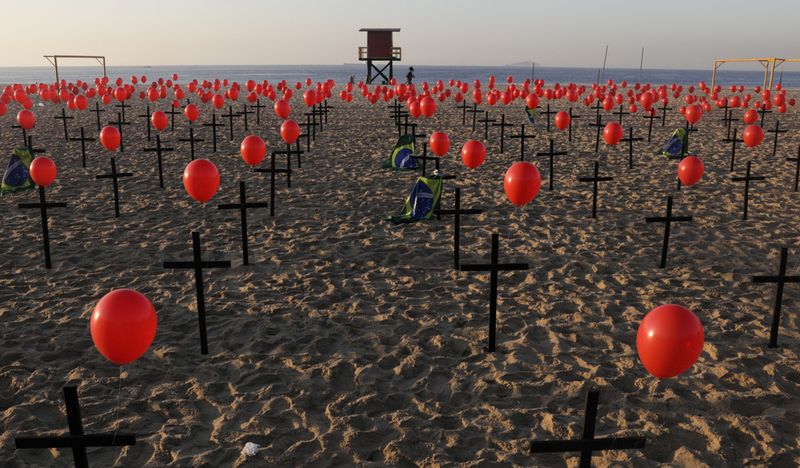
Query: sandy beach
[{"x": 351, "y": 341}]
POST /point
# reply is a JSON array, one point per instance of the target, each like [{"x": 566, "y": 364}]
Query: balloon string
[{"x": 119, "y": 400}]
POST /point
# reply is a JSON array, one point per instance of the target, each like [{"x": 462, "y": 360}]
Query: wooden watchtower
[{"x": 379, "y": 49}]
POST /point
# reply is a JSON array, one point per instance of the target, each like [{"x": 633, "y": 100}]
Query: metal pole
[
  {"x": 604, "y": 63},
  {"x": 641, "y": 64}
]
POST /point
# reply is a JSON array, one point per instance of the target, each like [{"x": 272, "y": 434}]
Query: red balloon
[
  {"x": 159, "y": 120},
  {"x": 693, "y": 114},
  {"x": 612, "y": 133},
  {"x": 310, "y": 97},
  {"x": 473, "y": 153},
  {"x": 290, "y": 131},
  {"x": 531, "y": 101},
  {"x": 110, "y": 138},
  {"x": 439, "y": 143},
  {"x": 414, "y": 109},
  {"x": 120, "y": 94},
  {"x": 253, "y": 149},
  {"x": 123, "y": 325},
  {"x": 562, "y": 120},
  {"x": 282, "y": 109},
  {"x": 201, "y": 179},
  {"x": 427, "y": 106},
  {"x": 750, "y": 116},
  {"x": 43, "y": 171},
  {"x": 26, "y": 119},
  {"x": 191, "y": 112},
  {"x": 690, "y": 170},
  {"x": 669, "y": 340},
  {"x": 81, "y": 102},
  {"x": 521, "y": 183},
  {"x": 218, "y": 101},
  {"x": 753, "y": 135}
]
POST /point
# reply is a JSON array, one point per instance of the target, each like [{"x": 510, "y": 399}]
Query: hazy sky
[{"x": 674, "y": 33}]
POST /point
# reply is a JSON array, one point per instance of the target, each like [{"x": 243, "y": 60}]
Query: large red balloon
[
  {"x": 753, "y": 135},
  {"x": 191, "y": 112},
  {"x": 81, "y": 102},
  {"x": 201, "y": 179},
  {"x": 473, "y": 153},
  {"x": 310, "y": 97},
  {"x": 26, "y": 119},
  {"x": 439, "y": 143},
  {"x": 253, "y": 149},
  {"x": 290, "y": 131},
  {"x": 690, "y": 170},
  {"x": 750, "y": 116},
  {"x": 123, "y": 325},
  {"x": 43, "y": 171},
  {"x": 669, "y": 340},
  {"x": 218, "y": 101},
  {"x": 521, "y": 183},
  {"x": 159, "y": 120},
  {"x": 427, "y": 106},
  {"x": 282, "y": 109},
  {"x": 531, "y": 101},
  {"x": 110, "y": 138},
  {"x": 562, "y": 120},
  {"x": 612, "y": 133},
  {"x": 693, "y": 114}
]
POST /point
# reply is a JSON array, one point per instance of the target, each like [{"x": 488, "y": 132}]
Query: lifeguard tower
[{"x": 379, "y": 49}]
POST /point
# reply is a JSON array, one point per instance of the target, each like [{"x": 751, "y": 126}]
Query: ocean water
[{"x": 342, "y": 73}]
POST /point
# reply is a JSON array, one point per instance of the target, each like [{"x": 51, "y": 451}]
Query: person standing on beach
[{"x": 410, "y": 75}]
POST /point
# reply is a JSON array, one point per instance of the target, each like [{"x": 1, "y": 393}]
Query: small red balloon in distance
[
  {"x": 669, "y": 340},
  {"x": 253, "y": 149},
  {"x": 110, "y": 138},
  {"x": 191, "y": 112},
  {"x": 473, "y": 153},
  {"x": 612, "y": 133},
  {"x": 310, "y": 97},
  {"x": 290, "y": 131},
  {"x": 439, "y": 143},
  {"x": 750, "y": 116},
  {"x": 690, "y": 170},
  {"x": 562, "y": 120},
  {"x": 282, "y": 109},
  {"x": 753, "y": 135},
  {"x": 531, "y": 101},
  {"x": 201, "y": 179},
  {"x": 26, "y": 119},
  {"x": 521, "y": 183},
  {"x": 414, "y": 109},
  {"x": 159, "y": 120},
  {"x": 43, "y": 171},
  {"x": 123, "y": 325},
  {"x": 81, "y": 102},
  {"x": 218, "y": 101}
]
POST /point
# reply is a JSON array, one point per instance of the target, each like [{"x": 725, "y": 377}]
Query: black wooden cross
[
  {"x": 486, "y": 121},
  {"x": 119, "y": 123},
  {"x": 522, "y": 137},
  {"x": 317, "y": 111},
  {"x": 493, "y": 268},
  {"x": 457, "y": 212},
  {"x": 31, "y": 149},
  {"x": 172, "y": 113},
  {"x": 474, "y": 111},
  {"x": 83, "y": 141},
  {"x": 630, "y": 141},
  {"x": 502, "y": 126},
  {"x": 114, "y": 176},
  {"x": 76, "y": 440},
  {"x": 25, "y": 139},
  {"x": 746, "y": 179},
  {"x": 326, "y": 108},
  {"x": 763, "y": 111},
  {"x": 571, "y": 118},
  {"x": 777, "y": 130},
  {"x": 307, "y": 131},
  {"x": 599, "y": 127},
  {"x": 43, "y": 206},
  {"x": 97, "y": 110},
  {"x": 595, "y": 179},
  {"x": 63, "y": 118},
  {"x": 230, "y": 115},
  {"x": 547, "y": 114},
  {"x": 424, "y": 158},
  {"x": 685, "y": 144},
  {"x": 146, "y": 116},
  {"x": 733, "y": 141},
  {"x": 244, "y": 113},
  {"x": 289, "y": 152},
  {"x": 621, "y": 112},
  {"x": 192, "y": 140},
  {"x": 667, "y": 220},
  {"x": 587, "y": 443},
  {"x": 650, "y": 116},
  {"x": 414, "y": 133},
  {"x": 273, "y": 171},
  {"x": 122, "y": 106},
  {"x": 796, "y": 168},
  {"x": 664, "y": 110},
  {"x": 550, "y": 154},
  {"x": 214, "y": 126},
  {"x": 197, "y": 264},
  {"x": 258, "y": 106},
  {"x": 243, "y": 206},
  {"x": 726, "y": 120},
  {"x": 311, "y": 124},
  {"x": 400, "y": 125},
  {"x": 159, "y": 150},
  {"x": 395, "y": 110},
  {"x": 463, "y": 106},
  {"x": 780, "y": 280}
]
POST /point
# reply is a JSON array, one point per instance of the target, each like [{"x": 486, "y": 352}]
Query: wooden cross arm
[
  {"x": 592, "y": 179},
  {"x": 79, "y": 139},
  {"x": 109, "y": 176},
  {"x": 277, "y": 171},
  {"x": 277, "y": 152},
  {"x": 622, "y": 443},
  {"x": 661, "y": 219},
  {"x": 557, "y": 153},
  {"x": 75, "y": 441},
  {"x": 236, "y": 206},
  {"x": 190, "y": 139},
  {"x": 776, "y": 279},
  {"x": 471, "y": 211},
  {"x": 742, "y": 179},
  {"x": 489, "y": 267},
  {"x": 213, "y": 124},
  {"x": 217, "y": 264}
]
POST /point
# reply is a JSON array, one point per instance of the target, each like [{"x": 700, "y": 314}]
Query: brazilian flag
[
  {"x": 677, "y": 143},
  {"x": 532, "y": 114},
  {"x": 17, "y": 176},
  {"x": 423, "y": 201},
  {"x": 402, "y": 155}
]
